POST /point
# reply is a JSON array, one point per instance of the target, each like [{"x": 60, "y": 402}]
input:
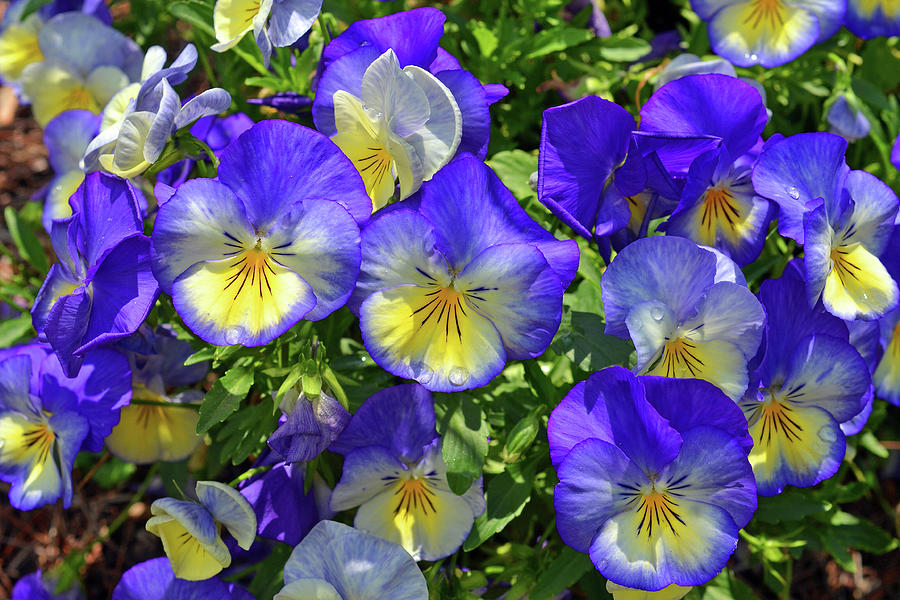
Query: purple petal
[
  {"x": 473, "y": 104},
  {"x": 124, "y": 292},
  {"x": 413, "y": 35},
  {"x": 399, "y": 418},
  {"x": 709, "y": 104},
  {"x": 268, "y": 179},
  {"x": 472, "y": 210},
  {"x": 97, "y": 392},
  {"x": 581, "y": 144},
  {"x": 107, "y": 210},
  {"x": 797, "y": 173},
  {"x": 283, "y": 511}
]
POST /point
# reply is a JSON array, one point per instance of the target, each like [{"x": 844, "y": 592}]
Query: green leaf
[
  {"x": 224, "y": 397},
  {"x": 506, "y": 497},
  {"x": 114, "y": 472},
  {"x": 31, "y": 7},
  {"x": 26, "y": 241},
  {"x": 15, "y": 330},
  {"x": 581, "y": 339},
  {"x": 464, "y": 443},
  {"x": 557, "y": 39},
  {"x": 487, "y": 39},
  {"x": 564, "y": 571},
  {"x": 198, "y": 14},
  {"x": 514, "y": 168},
  {"x": 853, "y": 532},
  {"x": 791, "y": 505},
  {"x": 725, "y": 586},
  {"x": 627, "y": 49}
]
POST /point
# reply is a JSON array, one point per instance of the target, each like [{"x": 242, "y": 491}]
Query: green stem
[
  {"x": 248, "y": 474},
  {"x": 123, "y": 516},
  {"x": 191, "y": 405}
]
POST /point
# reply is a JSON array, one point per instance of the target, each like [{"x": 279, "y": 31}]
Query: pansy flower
[
  {"x": 288, "y": 21},
  {"x": 19, "y": 45},
  {"x": 718, "y": 206},
  {"x": 191, "y": 531},
  {"x": 686, "y": 308},
  {"x": 395, "y": 473},
  {"x": 403, "y": 126},
  {"x": 843, "y": 219},
  {"x": 768, "y": 32},
  {"x": 459, "y": 280},
  {"x": 47, "y": 417},
  {"x": 66, "y": 137},
  {"x": 412, "y": 37},
  {"x": 102, "y": 289},
  {"x": 337, "y": 562},
  {"x": 810, "y": 381},
  {"x": 154, "y": 580},
  {"x": 84, "y": 64},
  {"x": 873, "y": 18},
  {"x": 137, "y": 123},
  {"x": 274, "y": 239},
  {"x": 159, "y": 430},
  {"x": 654, "y": 481}
]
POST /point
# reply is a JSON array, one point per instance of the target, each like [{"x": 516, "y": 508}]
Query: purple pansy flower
[
  {"x": 458, "y": 280},
  {"x": 810, "y": 380},
  {"x": 102, "y": 289},
  {"x": 843, "y": 218},
  {"x": 47, "y": 417},
  {"x": 272, "y": 240},
  {"x": 395, "y": 473},
  {"x": 288, "y": 21},
  {"x": 654, "y": 481},
  {"x": 873, "y": 18},
  {"x": 151, "y": 432},
  {"x": 718, "y": 206},
  {"x": 686, "y": 308}
]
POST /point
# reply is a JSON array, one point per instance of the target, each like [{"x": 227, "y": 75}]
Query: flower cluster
[{"x": 364, "y": 322}]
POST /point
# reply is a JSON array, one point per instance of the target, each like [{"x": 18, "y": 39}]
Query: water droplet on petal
[
  {"x": 458, "y": 375},
  {"x": 827, "y": 434},
  {"x": 425, "y": 375},
  {"x": 656, "y": 313},
  {"x": 865, "y": 296},
  {"x": 235, "y": 335},
  {"x": 793, "y": 192},
  {"x": 754, "y": 57}
]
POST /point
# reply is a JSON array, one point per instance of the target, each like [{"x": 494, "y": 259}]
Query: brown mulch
[{"x": 23, "y": 158}]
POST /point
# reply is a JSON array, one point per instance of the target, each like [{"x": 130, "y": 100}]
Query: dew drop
[
  {"x": 234, "y": 335},
  {"x": 656, "y": 313},
  {"x": 793, "y": 192},
  {"x": 865, "y": 296},
  {"x": 826, "y": 434},
  {"x": 458, "y": 375},
  {"x": 425, "y": 375},
  {"x": 753, "y": 57}
]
